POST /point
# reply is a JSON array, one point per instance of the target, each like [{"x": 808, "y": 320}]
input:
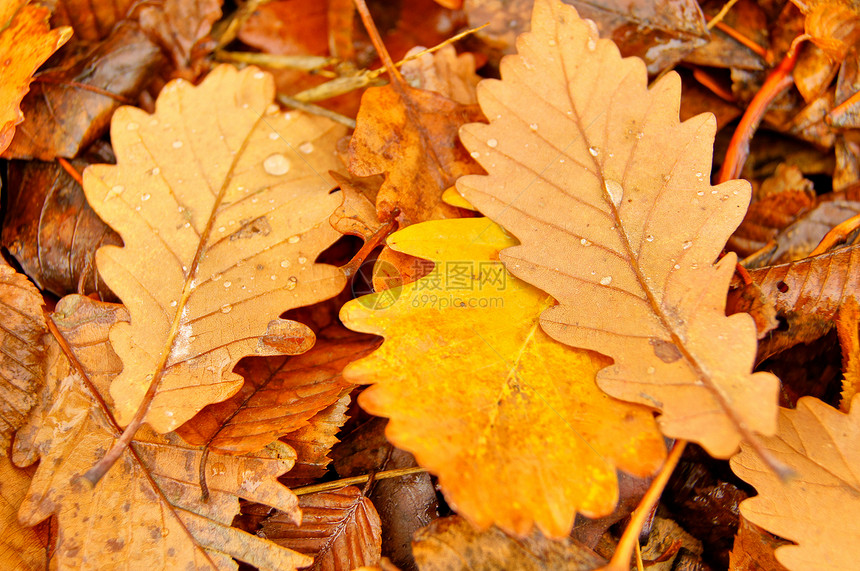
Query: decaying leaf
[
  {"x": 610, "y": 196},
  {"x": 22, "y": 548},
  {"x": 339, "y": 529},
  {"x": 279, "y": 396},
  {"x": 513, "y": 441},
  {"x": 452, "y": 544},
  {"x": 147, "y": 511},
  {"x": 444, "y": 72},
  {"x": 817, "y": 507},
  {"x": 753, "y": 549},
  {"x": 22, "y": 350},
  {"x": 220, "y": 203},
  {"x": 26, "y": 41}
]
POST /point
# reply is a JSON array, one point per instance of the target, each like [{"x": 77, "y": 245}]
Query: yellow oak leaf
[
  {"x": 148, "y": 510},
  {"x": 609, "y": 194},
  {"x": 220, "y": 203},
  {"x": 510, "y": 420}
]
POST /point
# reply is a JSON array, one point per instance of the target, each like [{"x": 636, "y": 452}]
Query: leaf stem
[
  {"x": 377, "y": 42},
  {"x": 338, "y": 484}
]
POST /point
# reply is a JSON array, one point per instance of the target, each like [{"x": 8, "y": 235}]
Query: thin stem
[
  {"x": 338, "y": 484},
  {"x": 376, "y": 40}
]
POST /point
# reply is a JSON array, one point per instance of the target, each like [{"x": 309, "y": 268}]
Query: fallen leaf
[
  {"x": 356, "y": 216},
  {"x": 22, "y": 353},
  {"x": 847, "y": 322},
  {"x": 147, "y": 510},
  {"x": 181, "y": 27},
  {"x": 339, "y": 529},
  {"x": 91, "y": 21},
  {"x": 754, "y": 550},
  {"x": 444, "y": 72},
  {"x": 452, "y": 544},
  {"x": 609, "y": 194},
  {"x": 222, "y": 215},
  {"x": 26, "y": 41},
  {"x": 51, "y": 229},
  {"x": 411, "y": 135},
  {"x": 279, "y": 396},
  {"x": 22, "y": 548},
  {"x": 513, "y": 443},
  {"x": 834, "y": 25},
  {"x": 313, "y": 443},
  {"x": 816, "y": 507}
]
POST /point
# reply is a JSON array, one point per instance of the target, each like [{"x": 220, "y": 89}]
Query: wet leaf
[
  {"x": 458, "y": 403},
  {"x": 819, "y": 443},
  {"x": 339, "y": 529},
  {"x": 22, "y": 350},
  {"x": 26, "y": 41},
  {"x": 279, "y": 396},
  {"x": 446, "y": 73},
  {"x": 609, "y": 194},
  {"x": 148, "y": 509},
  {"x": 222, "y": 216}
]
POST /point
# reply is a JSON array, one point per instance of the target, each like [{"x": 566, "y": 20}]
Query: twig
[
  {"x": 722, "y": 13},
  {"x": 72, "y": 171},
  {"x": 338, "y": 484},
  {"x": 316, "y": 110},
  {"x": 276, "y": 61}
]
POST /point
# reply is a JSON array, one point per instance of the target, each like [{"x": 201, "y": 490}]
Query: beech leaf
[
  {"x": 222, "y": 216},
  {"x": 147, "y": 510},
  {"x": 816, "y": 508},
  {"x": 510, "y": 420},
  {"x": 609, "y": 194}
]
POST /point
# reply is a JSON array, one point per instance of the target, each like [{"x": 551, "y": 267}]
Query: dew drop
[
  {"x": 615, "y": 191},
  {"x": 649, "y": 238},
  {"x": 187, "y": 225},
  {"x": 274, "y": 136},
  {"x": 259, "y": 75},
  {"x": 292, "y": 283},
  {"x": 156, "y": 171},
  {"x": 173, "y": 303},
  {"x": 666, "y": 178},
  {"x": 606, "y": 280},
  {"x": 144, "y": 197},
  {"x": 591, "y": 45},
  {"x": 222, "y": 229},
  {"x": 226, "y": 308},
  {"x": 552, "y": 42},
  {"x": 294, "y": 239},
  {"x": 228, "y": 283},
  {"x": 116, "y": 190},
  {"x": 303, "y": 260},
  {"x": 585, "y": 242},
  {"x": 677, "y": 266},
  {"x": 307, "y": 147},
  {"x": 285, "y": 264},
  {"x": 651, "y": 370},
  {"x": 273, "y": 277},
  {"x": 594, "y": 151},
  {"x": 533, "y": 126},
  {"x": 492, "y": 143},
  {"x": 688, "y": 244},
  {"x": 701, "y": 193},
  {"x": 475, "y": 155},
  {"x": 132, "y": 126},
  {"x": 177, "y": 144},
  {"x": 216, "y": 277},
  {"x": 276, "y": 164}
]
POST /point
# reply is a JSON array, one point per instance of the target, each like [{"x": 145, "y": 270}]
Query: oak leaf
[
  {"x": 340, "y": 530},
  {"x": 313, "y": 443},
  {"x": 26, "y": 41},
  {"x": 280, "y": 395},
  {"x": 817, "y": 507},
  {"x": 22, "y": 326},
  {"x": 222, "y": 210},
  {"x": 510, "y": 420},
  {"x": 609, "y": 194},
  {"x": 148, "y": 509},
  {"x": 22, "y": 548}
]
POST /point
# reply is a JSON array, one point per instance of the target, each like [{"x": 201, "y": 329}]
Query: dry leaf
[
  {"x": 339, "y": 529},
  {"x": 222, "y": 210},
  {"x": 26, "y": 41},
  {"x": 313, "y": 442},
  {"x": 817, "y": 507},
  {"x": 22, "y": 350},
  {"x": 444, "y": 72},
  {"x": 452, "y": 544},
  {"x": 847, "y": 321},
  {"x": 147, "y": 510},
  {"x": 51, "y": 229},
  {"x": 22, "y": 548},
  {"x": 411, "y": 136},
  {"x": 279, "y": 396},
  {"x": 91, "y": 21},
  {"x": 513, "y": 443},
  {"x": 609, "y": 194},
  {"x": 181, "y": 26},
  {"x": 754, "y": 550},
  {"x": 64, "y": 118}
]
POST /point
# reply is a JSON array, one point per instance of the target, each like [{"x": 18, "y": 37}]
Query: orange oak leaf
[
  {"x": 22, "y": 548},
  {"x": 340, "y": 530},
  {"x": 280, "y": 395},
  {"x": 510, "y": 420},
  {"x": 222, "y": 216},
  {"x": 26, "y": 41},
  {"x": 609, "y": 194},
  {"x": 148, "y": 509},
  {"x": 817, "y": 507},
  {"x": 22, "y": 350}
]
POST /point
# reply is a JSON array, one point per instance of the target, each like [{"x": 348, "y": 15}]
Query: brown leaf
[
  {"x": 609, "y": 194},
  {"x": 834, "y": 25},
  {"x": 91, "y": 21},
  {"x": 22, "y": 326},
  {"x": 222, "y": 220},
  {"x": 52, "y": 231},
  {"x": 147, "y": 510},
  {"x": 754, "y": 550},
  {"x": 71, "y": 106},
  {"x": 444, "y": 72},
  {"x": 279, "y": 396},
  {"x": 313, "y": 442},
  {"x": 180, "y": 26},
  {"x": 847, "y": 322},
  {"x": 339, "y": 529},
  {"x": 22, "y": 548},
  {"x": 452, "y": 544},
  {"x": 411, "y": 136},
  {"x": 660, "y": 32},
  {"x": 356, "y": 216},
  {"x": 816, "y": 507},
  {"x": 26, "y": 41}
]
